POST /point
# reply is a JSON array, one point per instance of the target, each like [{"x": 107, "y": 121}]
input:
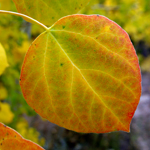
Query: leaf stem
[{"x": 29, "y": 19}]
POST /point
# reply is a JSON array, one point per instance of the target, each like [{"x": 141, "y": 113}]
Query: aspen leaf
[
  {"x": 83, "y": 74},
  {"x": 3, "y": 59},
  {"x": 10, "y": 139},
  {"x": 49, "y": 11}
]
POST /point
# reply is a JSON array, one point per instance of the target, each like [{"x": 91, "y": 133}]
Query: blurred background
[{"x": 16, "y": 36}]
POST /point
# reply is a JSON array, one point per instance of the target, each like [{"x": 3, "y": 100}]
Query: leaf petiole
[{"x": 29, "y": 19}]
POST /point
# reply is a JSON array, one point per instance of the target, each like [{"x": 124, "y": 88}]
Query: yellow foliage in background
[
  {"x": 6, "y": 115},
  {"x": 145, "y": 65},
  {"x": 3, "y": 59},
  {"x": 3, "y": 92},
  {"x": 20, "y": 51},
  {"x": 5, "y": 4},
  {"x": 29, "y": 133}
]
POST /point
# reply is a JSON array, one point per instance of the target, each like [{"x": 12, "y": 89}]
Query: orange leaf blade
[
  {"x": 83, "y": 74},
  {"x": 10, "y": 139}
]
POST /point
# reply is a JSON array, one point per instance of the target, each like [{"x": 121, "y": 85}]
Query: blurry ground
[
  {"x": 141, "y": 120},
  {"x": 138, "y": 139}
]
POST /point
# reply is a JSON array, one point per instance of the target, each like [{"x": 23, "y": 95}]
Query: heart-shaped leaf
[
  {"x": 3, "y": 59},
  {"x": 49, "y": 11},
  {"x": 11, "y": 140},
  {"x": 83, "y": 74}
]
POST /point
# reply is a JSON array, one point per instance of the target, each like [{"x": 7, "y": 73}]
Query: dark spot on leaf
[
  {"x": 52, "y": 17},
  {"x": 76, "y": 8},
  {"x": 1, "y": 143},
  {"x": 96, "y": 37},
  {"x": 81, "y": 4},
  {"x": 61, "y": 64},
  {"x": 63, "y": 27}
]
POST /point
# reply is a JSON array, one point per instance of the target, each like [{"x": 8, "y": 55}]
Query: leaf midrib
[
  {"x": 86, "y": 80},
  {"x": 94, "y": 69},
  {"x": 46, "y": 47},
  {"x": 98, "y": 43}
]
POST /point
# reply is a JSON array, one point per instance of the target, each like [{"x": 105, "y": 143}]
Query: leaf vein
[
  {"x": 85, "y": 78},
  {"x": 113, "y": 78},
  {"x": 46, "y": 78},
  {"x": 98, "y": 43}
]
